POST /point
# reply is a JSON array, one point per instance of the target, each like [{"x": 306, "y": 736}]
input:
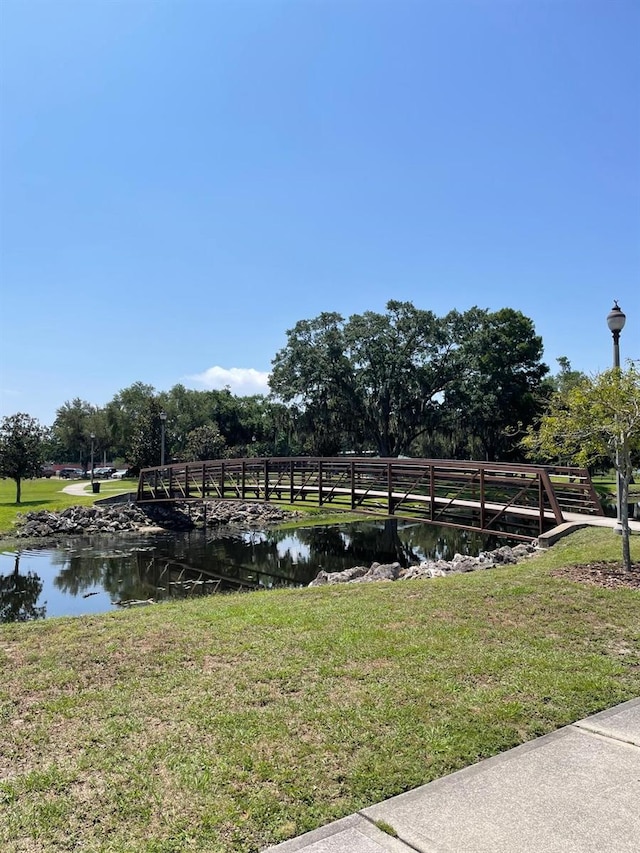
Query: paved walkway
[
  {"x": 576, "y": 790},
  {"x": 81, "y": 488}
]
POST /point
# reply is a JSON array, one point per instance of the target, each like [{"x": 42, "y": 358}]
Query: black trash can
[{"x": 96, "y": 488}]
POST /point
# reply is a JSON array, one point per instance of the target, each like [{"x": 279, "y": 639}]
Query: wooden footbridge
[{"x": 520, "y": 501}]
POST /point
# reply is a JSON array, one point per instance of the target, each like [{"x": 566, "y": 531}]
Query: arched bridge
[{"x": 521, "y": 501}]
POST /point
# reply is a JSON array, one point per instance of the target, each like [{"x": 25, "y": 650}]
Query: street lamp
[
  {"x": 163, "y": 419},
  {"x": 615, "y": 321},
  {"x": 93, "y": 438}
]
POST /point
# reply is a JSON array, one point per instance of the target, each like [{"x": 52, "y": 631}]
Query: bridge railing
[{"x": 488, "y": 496}]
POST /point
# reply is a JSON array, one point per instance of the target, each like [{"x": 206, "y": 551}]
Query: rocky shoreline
[
  {"x": 130, "y": 517},
  {"x": 117, "y": 518},
  {"x": 429, "y": 568}
]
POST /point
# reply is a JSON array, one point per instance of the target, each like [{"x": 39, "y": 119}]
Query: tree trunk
[
  {"x": 624, "y": 521},
  {"x": 18, "y": 489}
]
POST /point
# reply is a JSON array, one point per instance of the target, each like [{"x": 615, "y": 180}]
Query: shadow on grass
[{"x": 24, "y": 504}]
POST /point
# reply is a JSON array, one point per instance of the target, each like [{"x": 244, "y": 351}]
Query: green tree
[
  {"x": 146, "y": 441},
  {"x": 122, "y": 414},
  {"x": 21, "y": 448},
  {"x": 499, "y": 389},
  {"x": 599, "y": 416},
  {"x": 372, "y": 382},
  {"x": 72, "y": 428},
  {"x": 314, "y": 370},
  {"x": 401, "y": 361},
  {"x": 566, "y": 377},
  {"x": 407, "y": 379},
  {"x": 238, "y": 418},
  {"x": 205, "y": 442},
  {"x": 186, "y": 410}
]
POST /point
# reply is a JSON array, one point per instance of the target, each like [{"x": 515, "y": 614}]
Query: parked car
[
  {"x": 118, "y": 475},
  {"x": 101, "y": 473},
  {"x": 70, "y": 473},
  {"x": 47, "y": 472}
]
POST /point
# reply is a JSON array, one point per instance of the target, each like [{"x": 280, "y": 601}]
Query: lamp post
[
  {"x": 93, "y": 438},
  {"x": 615, "y": 321},
  {"x": 163, "y": 419}
]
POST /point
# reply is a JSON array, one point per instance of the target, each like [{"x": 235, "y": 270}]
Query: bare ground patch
[{"x": 605, "y": 575}]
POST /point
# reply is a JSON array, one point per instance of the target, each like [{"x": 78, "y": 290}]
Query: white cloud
[{"x": 242, "y": 381}]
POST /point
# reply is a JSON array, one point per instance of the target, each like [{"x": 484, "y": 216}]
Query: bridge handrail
[{"x": 434, "y": 490}]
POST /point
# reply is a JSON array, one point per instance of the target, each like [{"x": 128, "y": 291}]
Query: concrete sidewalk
[
  {"x": 576, "y": 790},
  {"x": 78, "y": 489}
]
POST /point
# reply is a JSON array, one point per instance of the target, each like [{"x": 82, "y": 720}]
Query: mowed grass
[
  {"x": 47, "y": 494},
  {"x": 233, "y": 722}
]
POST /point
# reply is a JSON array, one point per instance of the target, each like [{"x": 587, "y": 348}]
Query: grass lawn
[
  {"x": 227, "y": 723},
  {"x": 47, "y": 494},
  {"x": 608, "y": 481}
]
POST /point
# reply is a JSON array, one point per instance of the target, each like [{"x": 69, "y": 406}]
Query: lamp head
[
  {"x": 616, "y": 318},
  {"x": 163, "y": 416}
]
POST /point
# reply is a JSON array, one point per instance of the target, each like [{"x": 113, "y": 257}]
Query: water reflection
[
  {"x": 19, "y": 594},
  {"x": 89, "y": 574}
]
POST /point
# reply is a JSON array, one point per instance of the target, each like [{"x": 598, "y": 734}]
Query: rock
[
  {"x": 390, "y": 572},
  {"x": 347, "y": 575},
  {"x": 523, "y": 550},
  {"x": 320, "y": 579},
  {"x": 121, "y": 517},
  {"x": 429, "y": 568},
  {"x": 465, "y": 564},
  {"x": 504, "y": 555}
]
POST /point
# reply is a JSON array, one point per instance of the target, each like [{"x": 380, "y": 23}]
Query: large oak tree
[{"x": 384, "y": 381}]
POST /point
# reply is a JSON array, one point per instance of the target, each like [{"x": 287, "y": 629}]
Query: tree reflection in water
[
  {"x": 163, "y": 566},
  {"x": 19, "y": 594},
  {"x": 122, "y": 571},
  {"x": 389, "y": 541}
]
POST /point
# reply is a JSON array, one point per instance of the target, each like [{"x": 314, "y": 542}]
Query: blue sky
[{"x": 180, "y": 182}]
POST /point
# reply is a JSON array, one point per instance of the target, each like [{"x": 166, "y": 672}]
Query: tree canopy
[
  {"x": 21, "y": 448},
  {"x": 383, "y": 381},
  {"x": 498, "y": 389},
  {"x": 399, "y": 382},
  {"x": 595, "y": 417},
  {"x": 75, "y": 421}
]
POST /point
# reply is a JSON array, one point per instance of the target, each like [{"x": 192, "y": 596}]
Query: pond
[{"x": 93, "y": 575}]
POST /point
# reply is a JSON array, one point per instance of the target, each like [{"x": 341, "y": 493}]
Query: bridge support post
[
  {"x": 432, "y": 493},
  {"x": 389, "y": 489},
  {"x": 353, "y": 484},
  {"x": 291, "y": 481},
  {"x": 320, "y": 482}
]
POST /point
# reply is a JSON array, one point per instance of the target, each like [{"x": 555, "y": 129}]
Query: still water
[{"x": 93, "y": 575}]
